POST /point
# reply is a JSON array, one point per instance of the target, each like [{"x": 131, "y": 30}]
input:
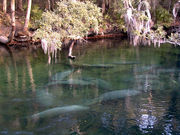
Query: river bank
[{"x": 24, "y": 38}]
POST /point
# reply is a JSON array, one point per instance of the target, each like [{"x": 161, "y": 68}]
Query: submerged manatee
[
  {"x": 61, "y": 75},
  {"x": 102, "y": 84},
  {"x": 60, "y": 110},
  {"x": 146, "y": 76},
  {"x": 168, "y": 70},
  {"x": 76, "y": 82},
  {"x": 147, "y": 68},
  {"x": 113, "y": 95},
  {"x": 70, "y": 82},
  {"x": 117, "y": 94},
  {"x": 126, "y": 63},
  {"x": 94, "y": 66},
  {"x": 101, "y": 66}
]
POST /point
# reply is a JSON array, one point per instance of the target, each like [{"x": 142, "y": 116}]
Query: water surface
[{"x": 112, "y": 88}]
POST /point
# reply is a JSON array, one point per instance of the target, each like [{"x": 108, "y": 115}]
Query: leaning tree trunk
[
  {"x": 103, "y": 6},
  {"x": 13, "y": 24},
  {"x": 28, "y": 15},
  {"x": 4, "y": 6}
]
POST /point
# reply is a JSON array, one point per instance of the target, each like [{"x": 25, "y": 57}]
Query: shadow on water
[{"x": 111, "y": 88}]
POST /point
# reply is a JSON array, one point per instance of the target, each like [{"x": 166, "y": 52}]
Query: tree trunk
[
  {"x": 103, "y": 6},
  {"x": 28, "y": 15},
  {"x": 4, "y": 6},
  {"x": 52, "y": 4},
  {"x": 70, "y": 51},
  {"x": 176, "y": 11},
  {"x": 48, "y": 5},
  {"x": 13, "y": 24},
  {"x": 20, "y": 5}
]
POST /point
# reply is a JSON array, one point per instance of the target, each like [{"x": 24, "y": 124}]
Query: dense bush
[
  {"x": 163, "y": 17},
  {"x": 72, "y": 19}
]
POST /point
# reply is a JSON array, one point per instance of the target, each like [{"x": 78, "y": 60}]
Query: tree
[
  {"x": 13, "y": 24},
  {"x": 27, "y": 15},
  {"x": 4, "y": 6},
  {"x": 50, "y": 4},
  {"x": 103, "y": 6},
  {"x": 176, "y": 11},
  {"x": 71, "y": 20}
]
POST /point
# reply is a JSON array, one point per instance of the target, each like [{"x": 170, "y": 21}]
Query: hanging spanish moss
[
  {"x": 51, "y": 50},
  {"x": 138, "y": 21},
  {"x": 176, "y": 10},
  {"x": 174, "y": 38}
]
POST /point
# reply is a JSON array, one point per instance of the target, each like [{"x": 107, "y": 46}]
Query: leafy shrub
[
  {"x": 36, "y": 12},
  {"x": 72, "y": 19},
  {"x": 163, "y": 17},
  {"x": 5, "y": 19}
]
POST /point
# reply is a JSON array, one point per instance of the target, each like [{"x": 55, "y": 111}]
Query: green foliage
[
  {"x": 163, "y": 17},
  {"x": 72, "y": 19},
  {"x": 115, "y": 19},
  {"x": 175, "y": 38},
  {"x": 36, "y": 14},
  {"x": 4, "y": 19},
  {"x": 159, "y": 33},
  {"x": 115, "y": 14}
]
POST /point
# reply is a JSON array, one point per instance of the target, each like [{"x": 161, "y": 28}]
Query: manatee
[
  {"x": 102, "y": 84},
  {"x": 94, "y": 66},
  {"x": 146, "y": 76},
  {"x": 117, "y": 94},
  {"x": 125, "y": 63},
  {"x": 146, "y": 68},
  {"x": 113, "y": 95},
  {"x": 70, "y": 82},
  {"x": 169, "y": 70},
  {"x": 59, "y": 110},
  {"x": 101, "y": 66}
]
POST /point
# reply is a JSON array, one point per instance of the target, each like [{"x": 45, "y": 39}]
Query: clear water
[{"x": 112, "y": 88}]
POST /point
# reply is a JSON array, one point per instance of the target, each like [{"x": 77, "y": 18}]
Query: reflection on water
[{"x": 111, "y": 88}]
